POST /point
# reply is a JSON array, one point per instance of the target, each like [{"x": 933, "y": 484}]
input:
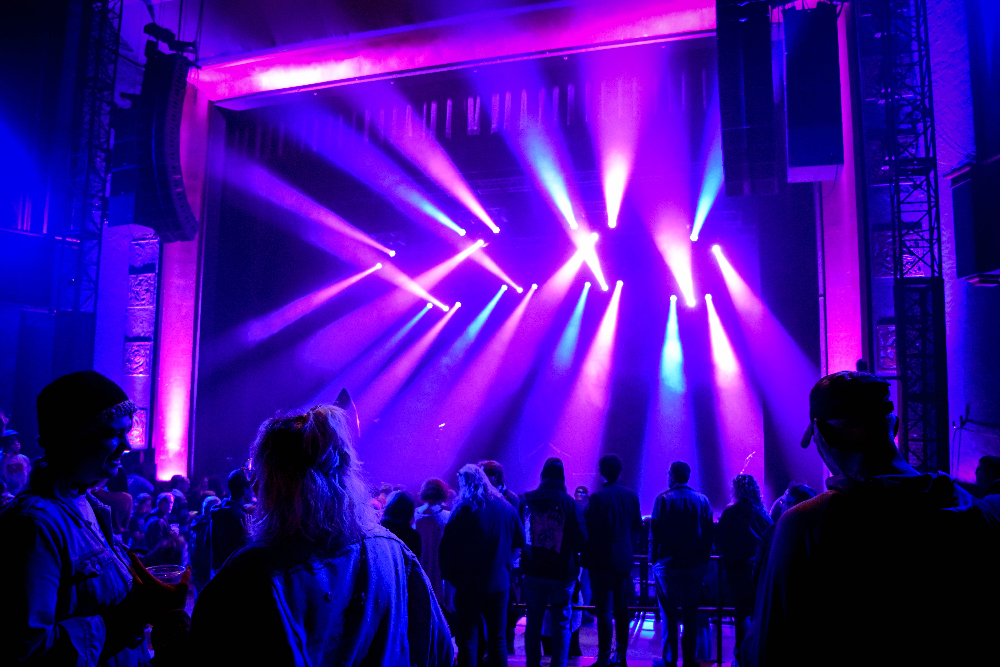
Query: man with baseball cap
[
  {"x": 889, "y": 566},
  {"x": 71, "y": 594}
]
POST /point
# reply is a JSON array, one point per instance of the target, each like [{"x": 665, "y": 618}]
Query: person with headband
[
  {"x": 889, "y": 566},
  {"x": 72, "y": 594},
  {"x": 320, "y": 583}
]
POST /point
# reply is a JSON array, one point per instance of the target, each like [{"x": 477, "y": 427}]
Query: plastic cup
[{"x": 168, "y": 574}]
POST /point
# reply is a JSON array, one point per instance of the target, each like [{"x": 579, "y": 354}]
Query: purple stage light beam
[
  {"x": 371, "y": 166},
  {"x": 771, "y": 347},
  {"x": 378, "y": 394},
  {"x": 264, "y": 327},
  {"x": 421, "y": 148},
  {"x": 256, "y": 180},
  {"x": 588, "y": 247},
  {"x": 737, "y": 407},
  {"x": 711, "y": 182},
  {"x": 581, "y": 423},
  {"x": 464, "y": 403}
]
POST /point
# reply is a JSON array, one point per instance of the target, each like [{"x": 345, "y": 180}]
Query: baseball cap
[{"x": 847, "y": 395}]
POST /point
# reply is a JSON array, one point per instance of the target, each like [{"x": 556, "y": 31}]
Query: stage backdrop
[{"x": 350, "y": 218}]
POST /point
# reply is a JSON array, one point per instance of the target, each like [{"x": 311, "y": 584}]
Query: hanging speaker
[
  {"x": 746, "y": 98},
  {"x": 812, "y": 94},
  {"x": 160, "y": 199}
]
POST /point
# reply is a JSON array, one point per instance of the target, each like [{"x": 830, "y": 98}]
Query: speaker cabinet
[{"x": 813, "y": 121}]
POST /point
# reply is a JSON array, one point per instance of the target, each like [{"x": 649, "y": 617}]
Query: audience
[
  {"x": 142, "y": 507},
  {"x": 201, "y": 544},
  {"x": 495, "y": 472},
  {"x": 432, "y": 517},
  {"x": 115, "y": 495},
  {"x": 554, "y": 535},
  {"x": 476, "y": 556},
  {"x": 72, "y": 595},
  {"x": 179, "y": 487},
  {"x": 889, "y": 566},
  {"x": 15, "y": 467},
  {"x": 612, "y": 516},
  {"x": 737, "y": 539},
  {"x": 228, "y": 525},
  {"x": 680, "y": 546},
  {"x": 397, "y": 518},
  {"x": 793, "y": 495},
  {"x": 321, "y": 583}
]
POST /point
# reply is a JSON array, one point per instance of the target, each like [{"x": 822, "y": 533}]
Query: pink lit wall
[
  {"x": 843, "y": 315},
  {"x": 175, "y": 358}
]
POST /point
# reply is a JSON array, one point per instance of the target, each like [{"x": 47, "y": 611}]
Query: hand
[{"x": 153, "y": 597}]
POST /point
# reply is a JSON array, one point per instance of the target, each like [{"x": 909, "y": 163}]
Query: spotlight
[
  {"x": 717, "y": 249},
  {"x": 392, "y": 253},
  {"x": 519, "y": 289},
  {"x": 691, "y": 303},
  {"x": 593, "y": 236},
  {"x": 612, "y": 223},
  {"x": 619, "y": 283},
  {"x": 445, "y": 308},
  {"x": 534, "y": 285},
  {"x": 458, "y": 304},
  {"x": 461, "y": 232},
  {"x": 673, "y": 298},
  {"x": 587, "y": 284},
  {"x": 428, "y": 306},
  {"x": 694, "y": 236},
  {"x": 708, "y": 297},
  {"x": 480, "y": 243},
  {"x": 503, "y": 288},
  {"x": 379, "y": 265}
]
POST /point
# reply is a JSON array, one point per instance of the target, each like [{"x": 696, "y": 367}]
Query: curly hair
[
  {"x": 308, "y": 479},
  {"x": 745, "y": 489}
]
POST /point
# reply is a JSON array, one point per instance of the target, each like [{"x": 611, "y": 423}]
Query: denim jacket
[
  {"x": 363, "y": 603},
  {"x": 60, "y": 575}
]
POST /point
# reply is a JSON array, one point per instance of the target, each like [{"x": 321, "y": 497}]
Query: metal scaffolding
[
  {"x": 902, "y": 178},
  {"x": 90, "y": 148}
]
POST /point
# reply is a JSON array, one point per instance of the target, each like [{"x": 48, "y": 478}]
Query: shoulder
[{"x": 28, "y": 506}]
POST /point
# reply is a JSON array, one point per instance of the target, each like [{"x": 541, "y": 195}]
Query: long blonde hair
[
  {"x": 308, "y": 479},
  {"x": 474, "y": 487}
]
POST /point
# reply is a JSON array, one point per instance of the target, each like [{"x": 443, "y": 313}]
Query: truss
[{"x": 90, "y": 148}]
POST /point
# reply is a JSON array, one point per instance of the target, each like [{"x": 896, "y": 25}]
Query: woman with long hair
[
  {"x": 737, "y": 537},
  {"x": 476, "y": 556},
  {"x": 321, "y": 583}
]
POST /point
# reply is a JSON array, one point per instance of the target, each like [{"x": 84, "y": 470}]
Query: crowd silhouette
[{"x": 300, "y": 561}]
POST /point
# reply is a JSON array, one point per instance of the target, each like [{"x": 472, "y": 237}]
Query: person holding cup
[{"x": 73, "y": 595}]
